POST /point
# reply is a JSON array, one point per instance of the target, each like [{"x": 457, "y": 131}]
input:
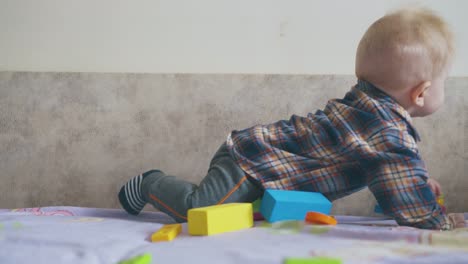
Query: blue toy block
[
  {"x": 278, "y": 205},
  {"x": 378, "y": 209}
]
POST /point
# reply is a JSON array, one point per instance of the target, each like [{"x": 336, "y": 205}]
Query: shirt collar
[{"x": 385, "y": 99}]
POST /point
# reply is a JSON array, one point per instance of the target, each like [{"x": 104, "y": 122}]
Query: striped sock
[{"x": 130, "y": 196}]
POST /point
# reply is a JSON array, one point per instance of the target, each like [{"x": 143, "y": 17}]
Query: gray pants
[{"x": 225, "y": 183}]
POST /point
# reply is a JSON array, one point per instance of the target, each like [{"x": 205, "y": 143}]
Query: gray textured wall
[{"x": 75, "y": 138}]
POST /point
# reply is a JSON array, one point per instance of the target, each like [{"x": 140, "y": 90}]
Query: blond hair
[{"x": 405, "y": 47}]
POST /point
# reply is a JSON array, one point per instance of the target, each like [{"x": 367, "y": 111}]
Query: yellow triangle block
[
  {"x": 166, "y": 233},
  {"x": 217, "y": 219}
]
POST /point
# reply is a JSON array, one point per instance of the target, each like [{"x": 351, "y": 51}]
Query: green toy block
[
  {"x": 256, "y": 205},
  {"x": 314, "y": 260},
  {"x": 140, "y": 259},
  {"x": 17, "y": 225}
]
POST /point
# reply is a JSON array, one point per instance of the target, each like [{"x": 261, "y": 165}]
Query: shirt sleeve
[{"x": 397, "y": 176}]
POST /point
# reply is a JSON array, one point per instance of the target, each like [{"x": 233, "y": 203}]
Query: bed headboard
[{"x": 75, "y": 138}]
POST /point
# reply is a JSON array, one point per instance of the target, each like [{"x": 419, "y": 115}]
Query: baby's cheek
[
  {"x": 441, "y": 100},
  {"x": 436, "y": 104}
]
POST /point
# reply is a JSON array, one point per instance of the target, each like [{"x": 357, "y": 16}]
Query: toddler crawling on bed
[{"x": 365, "y": 139}]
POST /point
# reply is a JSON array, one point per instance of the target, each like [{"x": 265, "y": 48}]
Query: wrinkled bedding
[{"x": 97, "y": 236}]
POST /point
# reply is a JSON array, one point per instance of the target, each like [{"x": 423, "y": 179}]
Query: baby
[{"x": 365, "y": 139}]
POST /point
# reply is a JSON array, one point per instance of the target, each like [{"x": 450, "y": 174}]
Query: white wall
[{"x": 198, "y": 36}]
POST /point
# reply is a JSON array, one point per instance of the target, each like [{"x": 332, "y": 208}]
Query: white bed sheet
[{"x": 96, "y": 236}]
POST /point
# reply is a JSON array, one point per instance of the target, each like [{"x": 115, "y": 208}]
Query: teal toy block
[{"x": 279, "y": 205}]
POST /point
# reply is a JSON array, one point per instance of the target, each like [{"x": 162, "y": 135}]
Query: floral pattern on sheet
[{"x": 39, "y": 211}]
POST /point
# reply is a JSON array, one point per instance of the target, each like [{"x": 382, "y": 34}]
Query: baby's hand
[
  {"x": 457, "y": 219},
  {"x": 435, "y": 187}
]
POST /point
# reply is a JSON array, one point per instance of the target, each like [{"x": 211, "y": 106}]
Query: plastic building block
[
  {"x": 166, "y": 233},
  {"x": 256, "y": 205},
  {"x": 279, "y": 205},
  {"x": 320, "y": 219},
  {"x": 257, "y": 216},
  {"x": 440, "y": 200},
  {"x": 141, "y": 259},
  {"x": 217, "y": 219},
  {"x": 316, "y": 260},
  {"x": 378, "y": 209}
]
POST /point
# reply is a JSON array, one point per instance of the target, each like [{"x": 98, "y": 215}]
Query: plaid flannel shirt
[{"x": 364, "y": 139}]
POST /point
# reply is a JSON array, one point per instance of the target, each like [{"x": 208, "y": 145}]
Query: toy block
[
  {"x": 320, "y": 219},
  {"x": 316, "y": 260},
  {"x": 278, "y": 205},
  {"x": 256, "y": 205},
  {"x": 440, "y": 200},
  {"x": 378, "y": 209},
  {"x": 217, "y": 219},
  {"x": 141, "y": 259},
  {"x": 257, "y": 216},
  {"x": 166, "y": 233}
]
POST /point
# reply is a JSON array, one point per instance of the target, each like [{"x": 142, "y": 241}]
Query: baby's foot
[{"x": 130, "y": 196}]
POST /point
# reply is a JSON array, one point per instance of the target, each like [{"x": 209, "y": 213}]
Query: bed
[{"x": 97, "y": 236}]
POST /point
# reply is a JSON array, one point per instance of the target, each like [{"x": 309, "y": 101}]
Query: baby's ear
[{"x": 417, "y": 93}]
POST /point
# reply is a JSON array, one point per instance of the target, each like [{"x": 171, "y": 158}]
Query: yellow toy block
[
  {"x": 217, "y": 219},
  {"x": 441, "y": 200},
  {"x": 166, "y": 233}
]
